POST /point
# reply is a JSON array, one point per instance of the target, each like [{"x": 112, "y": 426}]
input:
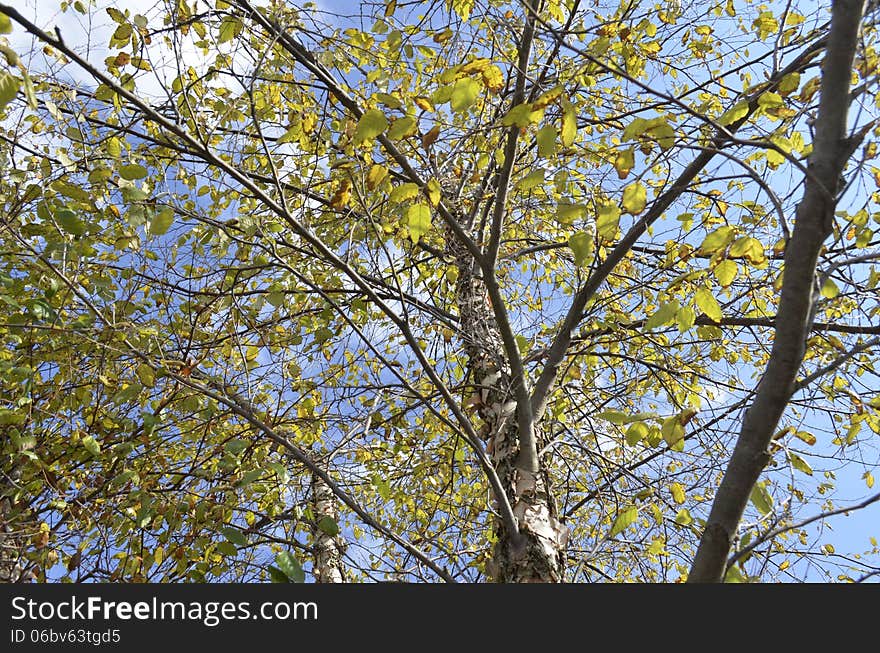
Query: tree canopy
[{"x": 455, "y": 290}]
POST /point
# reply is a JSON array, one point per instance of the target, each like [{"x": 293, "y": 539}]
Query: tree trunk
[
  {"x": 13, "y": 537},
  {"x": 327, "y": 544},
  {"x": 536, "y": 554},
  {"x": 814, "y": 221}
]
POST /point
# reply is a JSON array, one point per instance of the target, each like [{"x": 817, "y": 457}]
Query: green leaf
[
  {"x": 707, "y": 303},
  {"x": 635, "y": 129},
  {"x": 672, "y": 430},
  {"x": 9, "y": 85},
  {"x": 607, "y": 221},
  {"x": 569, "y": 124},
  {"x": 663, "y": 315},
  {"x": 726, "y": 272},
  {"x": 291, "y": 568},
  {"x": 5, "y": 24},
  {"x": 132, "y": 171},
  {"x": 371, "y": 124},
  {"x": 401, "y": 128},
  {"x": 230, "y": 27},
  {"x": 613, "y": 416},
  {"x": 162, "y": 221},
  {"x": 234, "y": 535},
  {"x": 390, "y": 101},
  {"x": 716, "y": 240},
  {"x": 636, "y": 433},
  {"x": 70, "y": 222},
  {"x": 568, "y": 213},
  {"x": 522, "y": 115},
  {"x": 685, "y": 318},
  {"x": 249, "y": 477},
  {"x": 663, "y": 134},
  {"x": 235, "y": 447},
  {"x": 800, "y": 464},
  {"x": 464, "y": 94},
  {"x": 581, "y": 244},
  {"x": 624, "y": 519},
  {"x": 277, "y": 576},
  {"x": 146, "y": 375},
  {"x": 227, "y": 548},
  {"x": 531, "y": 180},
  {"x": 418, "y": 219},
  {"x": 734, "y": 575},
  {"x": 683, "y": 517},
  {"x": 761, "y": 499},
  {"x": 789, "y": 83},
  {"x": 546, "y": 140},
  {"x": 635, "y": 198},
  {"x": 734, "y": 113},
  {"x": 328, "y": 525},
  {"x": 403, "y": 192},
  {"x": 42, "y": 310},
  {"x": 91, "y": 445}
]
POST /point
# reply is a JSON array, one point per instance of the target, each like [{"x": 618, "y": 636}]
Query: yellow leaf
[
  {"x": 402, "y": 127},
  {"x": 432, "y": 190},
  {"x": 672, "y": 430},
  {"x": 493, "y": 78},
  {"x": 809, "y": 438},
  {"x": 569, "y": 124},
  {"x": 830, "y": 289},
  {"x": 726, "y": 272},
  {"x": 789, "y": 83},
  {"x": 423, "y": 103},
  {"x": 475, "y": 66},
  {"x": 581, "y": 244},
  {"x": 372, "y": 123},
  {"x": 707, "y": 303},
  {"x": 685, "y": 318},
  {"x": 522, "y": 115},
  {"x": 418, "y": 218},
  {"x": 761, "y": 499},
  {"x": 376, "y": 176},
  {"x": 546, "y": 140},
  {"x": 531, "y": 180},
  {"x": 716, "y": 240},
  {"x": 404, "y": 192},
  {"x": 342, "y": 195},
  {"x": 623, "y": 520},
  {"x": 624, "y": 162},
  {"x": 734, "y": 113},
  {"x": 635, "y": 198},
  {"x": 607, "y": 221},
  {"x": 464, "y": 94},
  {"x": 677, "y": 493}
]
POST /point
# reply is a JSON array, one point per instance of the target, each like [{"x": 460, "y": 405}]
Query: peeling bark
[
  {"x": 536, "y": 553},
  {"x": 328, "y": 548},
  {"x": 815, "y": 217}
]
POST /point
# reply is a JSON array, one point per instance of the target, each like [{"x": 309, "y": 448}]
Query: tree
[{"x": 439, "y": 291}]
